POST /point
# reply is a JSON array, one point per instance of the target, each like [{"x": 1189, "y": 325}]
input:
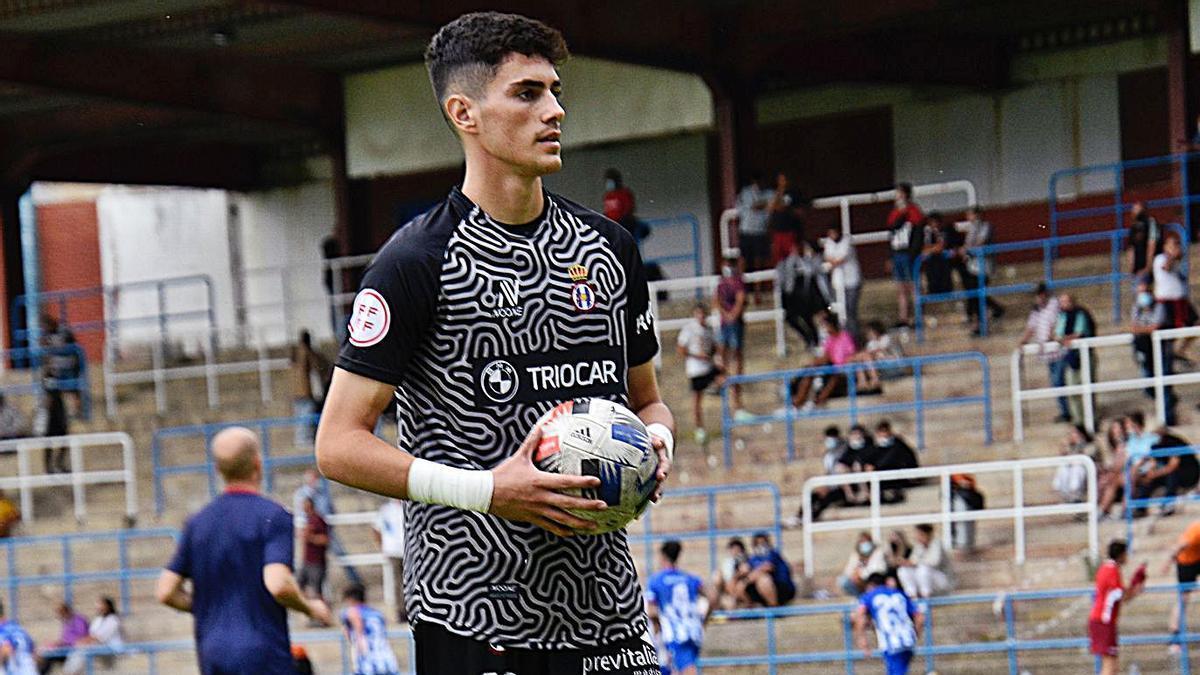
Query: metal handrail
[
  {"x": 1018, "y": 512},
  {"x": 77, "y": 478},
  {"x": 918, "y": 405},
  {"x": 32, "y": 357}
]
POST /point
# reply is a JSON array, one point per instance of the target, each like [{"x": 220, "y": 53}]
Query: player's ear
[{"x": 462, "y": 113}]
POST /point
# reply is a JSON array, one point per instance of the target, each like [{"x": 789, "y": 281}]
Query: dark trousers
[
  {"x": 970, "y": 282},
  {"x": 1143, "y": 354}
]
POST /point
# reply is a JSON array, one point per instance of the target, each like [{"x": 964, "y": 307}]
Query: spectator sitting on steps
[
  {"x": 838, "y": 350},
  {"x": 867, "y": 559}
]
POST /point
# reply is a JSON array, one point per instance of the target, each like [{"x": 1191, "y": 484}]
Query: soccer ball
[{"x": 595, "y": 437}]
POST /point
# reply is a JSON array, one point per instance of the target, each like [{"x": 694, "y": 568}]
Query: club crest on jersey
[
  {"x": 370, "y": 320},
  {"x": 583, "y": 296}
]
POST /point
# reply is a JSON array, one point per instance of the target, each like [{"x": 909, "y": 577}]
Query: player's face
[{"x": 519, "y": 117}]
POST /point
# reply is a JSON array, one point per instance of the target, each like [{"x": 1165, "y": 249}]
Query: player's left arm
[
  {"x": 170, "y": 592},
  {"x": 646, "y": 401}
]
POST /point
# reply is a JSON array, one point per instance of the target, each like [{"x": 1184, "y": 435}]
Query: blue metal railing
[
  {"x": 1133, "y": 504},
  {"x": 658, "y": 225},
  {"x": 29, "y": 306},
  {"x": 1049, "y": 246},
  {"x": 1011, "y": 645},
  {"x": 919, "y": 404},
  {"x": 32, "y": 358},
  {"x": 204, "y": 434},
  {"x": 714, "y": 535},
  {"x": 151, "y": 650},
  {"x": 1177, "y": 162},
  {"x": 68, "y": 577}
]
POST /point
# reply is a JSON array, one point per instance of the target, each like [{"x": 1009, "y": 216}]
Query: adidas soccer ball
[{"x": 595, "y": 437}]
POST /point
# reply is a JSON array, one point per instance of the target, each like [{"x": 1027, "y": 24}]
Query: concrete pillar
[{"x": 733, "y": 102}]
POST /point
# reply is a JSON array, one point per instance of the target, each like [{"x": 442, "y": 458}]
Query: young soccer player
[
  {"x": 895, "y": 618},
  {"x": 366, "y": 631},
  {"x": 1110, "y": 594},
  {"x": 16, "y": 648},
  {"x": 468, "y": 321},
  {"x": 678, "y": 610}
]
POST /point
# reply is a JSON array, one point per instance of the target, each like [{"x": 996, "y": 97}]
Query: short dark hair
[
  {"x": 832, "y": 431},
  {"x": 1137, "y": 418},
  {"x": 470, "y": 49},
  {"x": 934, "y": 216},
  {"x": 1041, "y": 288},
  {"x": 883, "y": 425},
  {"x": 1117, "y": 548},
  {"x": 925, "y": 527},
  {"x": 355, "y": 592},
  {"x": 110, "y": 607},
  {"x": 876, "y": 579},
  {"x": 736, "y": 541},
  {"x": 904, "y": 189},
  {"x": 671, "y": 550}
]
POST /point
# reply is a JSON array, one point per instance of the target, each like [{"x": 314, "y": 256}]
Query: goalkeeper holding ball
[{"x": 479, "y": 317}]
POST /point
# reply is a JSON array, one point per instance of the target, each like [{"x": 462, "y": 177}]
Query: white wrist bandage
[
  {"x": 433, "y": 483},
  {"x": 659, "y": 429}
]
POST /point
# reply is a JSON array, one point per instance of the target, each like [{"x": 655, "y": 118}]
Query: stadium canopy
[{"x": 238, "y": 94}]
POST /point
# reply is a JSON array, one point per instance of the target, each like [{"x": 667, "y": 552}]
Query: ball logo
[
  {"x": 370, "y": 320},
  {"x": 499, "y": 381},
  {"x": 583, "y": 296}
]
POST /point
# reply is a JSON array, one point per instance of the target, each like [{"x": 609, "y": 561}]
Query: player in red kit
[{"x": 1110, "y": 593}]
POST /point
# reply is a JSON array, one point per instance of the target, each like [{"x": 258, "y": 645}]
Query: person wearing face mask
[
  {"x": 619, "y": 205},
  {"x": 892, "y": 453},
  {"x": 1146, "y": 317},
  {"x": 865, "y": 560},
  {"x": 841, "y": 456},
  {"x": 769, "y": 583},
  {"x": 729, "y": 302}
]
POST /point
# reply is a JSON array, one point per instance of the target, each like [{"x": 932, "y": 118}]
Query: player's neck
[
  {"x": 242, "y": 486},
  {"x": 506, "y": 197}
]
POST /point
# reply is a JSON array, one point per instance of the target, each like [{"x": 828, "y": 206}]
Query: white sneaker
[
  {"x": 740, "y": 415},
  {"x": 808, "y": 406}
]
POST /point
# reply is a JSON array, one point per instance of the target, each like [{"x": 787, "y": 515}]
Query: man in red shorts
[{"x": 1110, "y": 592}]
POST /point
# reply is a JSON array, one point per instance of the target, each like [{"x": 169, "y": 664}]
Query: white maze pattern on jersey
[{"x": 507, "y": 338}]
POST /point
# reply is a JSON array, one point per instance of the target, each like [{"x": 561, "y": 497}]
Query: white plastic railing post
[
  {"x": 1093, "y": 512},
  {"x": 844, "y": 209},
  {"x": 1085, "y": 364},
  {"x": 780, "y": 334},
  {"x": 946, "y": 500},
  {"x": 807, "y": 531},
  {"x": 160, "y": 376},
  {"x": 264, "y": 370},
  {"x": 110, "y": 385},
  {"x": 1015, "y": 376},
  {"x": 77, "y": 475},
  {"x": 210, "y": 376},
  {"x": 1019, "y": 512},
  {"x": 389, "y": 584},
  {"x": 876, "y": 508},
  {"x": 129, "y": 460},
  {"x": 1160, "y": 398},
  {"x": 23, "y": 450}
]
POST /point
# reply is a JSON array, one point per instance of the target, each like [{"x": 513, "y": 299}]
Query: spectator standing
[
  {"x": 311, "y": 373},
  {"x": 366, "y": 631},
  {"x": 74, "y": 629},
  {"x": 964, "y": 496},
  {"x": 752, "y": 204},
  {"x": 1147, "y": 316},
  {"x": 1144, "y": 241},
  {"x": 805, "y": 290},
  {"x": 620, "y": 205},
  {"x": 697, "y": 347},
  {"x": 678, "y": 610},
  {"x": 1171, "y": 291},
  {"x": 895, "y": 618},
  {"x": 389, "y": 534},
  {"x": 785, "y": 219},
  {"x": 935, "y": 248},
  {"x": 1074, "y": 322},
  {"x": 104, "y": 631},
  {"x": 837, "y": 350},
  {"x": 314, "y": 564},
  {"x": 730, "y": 578},
  {"x": 17, "y": 649},
  {"x": 312, "y": 488},
  {"x": 977, "y": 268},
  {"x": 1039, "y": 329},
  {"x": 866, "y": 560},
  {"x": 927, "y": 571},
  {"x": 906, "y": 239},
  {"x": 844, "y": 273},
  {"x": 12, "y": 423},
  {"x": 1111, "y": 593},
  {"x": 769, "y": 582},
  {"x": 10, "y": 516},
  {"x": 61, "y": 367},
  {"x": 730, "y": 304},
  {"x": 50, "y": 421},
  {"x": 238, "y": 553},
  {"x": 1185, "y": 558}
]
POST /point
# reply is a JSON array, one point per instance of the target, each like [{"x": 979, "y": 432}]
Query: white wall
[{"x": 669, "y": 177}]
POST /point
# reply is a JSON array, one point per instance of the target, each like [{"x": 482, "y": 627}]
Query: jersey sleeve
[
  {"x": 181, "y": 562},
  {"x": 652, "y": 592},
  {"x": 639, "y": 320},
  {"x": 393, "y": 310},
  {"x": 279, "y": 542}
]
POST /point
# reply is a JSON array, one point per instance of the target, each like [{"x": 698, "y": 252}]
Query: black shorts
[
  {"x": 784, "y": 593},
  {"x": 440, "y": 652},
  {"x": 1186, "y": 574},
  {"x": 701, "y": 383}
]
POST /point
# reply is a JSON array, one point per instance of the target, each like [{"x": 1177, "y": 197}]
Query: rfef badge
[{"x": 583, "y": 296}]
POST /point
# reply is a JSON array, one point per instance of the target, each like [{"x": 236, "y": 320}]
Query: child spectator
[
  {"x": 697, "y": 346},
  {"x": 769, "y": 582},
  {"x": 730, "y": 304},
  {"x": 838, "y": 349},
  {"x": 728, "y": 581}
]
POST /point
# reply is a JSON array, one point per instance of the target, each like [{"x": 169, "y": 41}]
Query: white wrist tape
[
  {"x": 433, "y": 483},
  {"x": 659, "y": 429}
]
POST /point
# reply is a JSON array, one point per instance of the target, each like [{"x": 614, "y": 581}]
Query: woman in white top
[
  {"x": 103, "y": 631},
  {"x": 1170, "y": 290}
]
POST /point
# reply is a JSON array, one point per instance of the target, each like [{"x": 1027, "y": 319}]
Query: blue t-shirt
[
  {"x": 239, "y": 626},
  {"x": 372, "y": 654},
  {"x": 892, "y": 612},
  {"x": 782, "y": 574},
  {"x": 21, "y": 661},
  {"x": 676, "y": 594}
]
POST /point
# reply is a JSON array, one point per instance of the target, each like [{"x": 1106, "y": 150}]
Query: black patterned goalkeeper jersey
[{"x": 483, "y": 328}]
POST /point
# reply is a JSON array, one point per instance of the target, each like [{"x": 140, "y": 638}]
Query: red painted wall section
[{"x": 69, "y": 247}]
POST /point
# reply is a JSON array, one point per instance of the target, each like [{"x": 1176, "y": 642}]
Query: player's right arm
[
  {"x": 349, "y": 452},
  {"x": 282, "y": 586}
]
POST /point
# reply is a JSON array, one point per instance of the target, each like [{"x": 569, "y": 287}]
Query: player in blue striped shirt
[
  {"x": 366, "y": 631},
  {"x": 16, "y": 648},
  {"x": 678, "y": 610},
  {"x": 895, "y": 618}
]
